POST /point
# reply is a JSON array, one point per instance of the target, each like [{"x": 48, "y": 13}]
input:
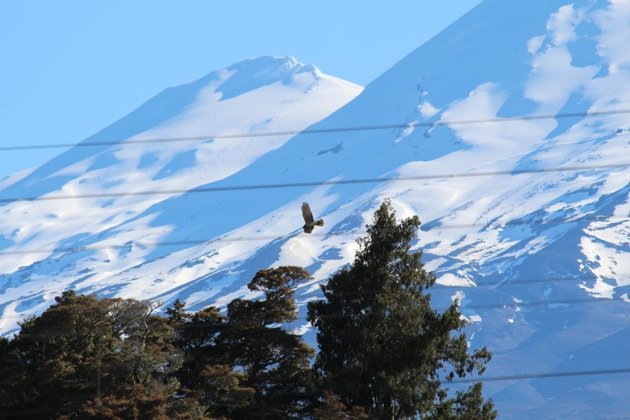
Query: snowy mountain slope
[
  {"x": 267, "y": 94},
  {"x": 526, "y": 220}
]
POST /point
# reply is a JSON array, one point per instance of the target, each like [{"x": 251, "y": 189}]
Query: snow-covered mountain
[
  {"x": 508, "y": 134},
  {"x": 68, "y": 223}
]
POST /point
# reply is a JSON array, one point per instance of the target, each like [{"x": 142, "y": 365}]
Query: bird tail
[{"x": 320, "y": 222}]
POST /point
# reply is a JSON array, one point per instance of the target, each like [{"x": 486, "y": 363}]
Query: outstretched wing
[{"x": 307, "y": 214}]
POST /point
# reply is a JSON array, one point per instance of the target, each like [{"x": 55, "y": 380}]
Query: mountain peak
[
  {"x": 281, "y": 66},
  {"x": 257, "y": 72}
]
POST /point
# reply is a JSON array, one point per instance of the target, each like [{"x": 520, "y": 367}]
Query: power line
[
  {"x": 531, "y": 280},
  {"x": 318, "y": 130},
  {"x": 522, "y": 221},
  {"x": 226, "y": 239},
  {"x": 502, "y": 305},
  {"x": 542, "y": 303},
  {"x": 135, "y": 244},
  {"x": 483, "y": 306},
  {"x": 574, "y": 302},
  {"x": 514, "y": 172},
  {"x": 502, "y": 378},
  {"x": 543, "y": 375},
  {"x": 75, "y": 249},
  {"x": 519, "y": 377},
  {"x": 504, "y": 284}
]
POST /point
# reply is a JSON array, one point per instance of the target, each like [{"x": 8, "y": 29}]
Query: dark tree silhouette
[
  {"x": 382, "y": 346},
  {"x": 245, "y": 364},
  {"x": 85, "y": 357},
  {"x": 384, "y": 351}
]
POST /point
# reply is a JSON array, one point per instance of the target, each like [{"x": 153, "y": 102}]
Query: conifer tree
[
  {"x": 245, "y": 364},
  {"x": 207, "y": 376},
  {"x": 275, "y": 361},
  {"x": 382, "y": 346}
]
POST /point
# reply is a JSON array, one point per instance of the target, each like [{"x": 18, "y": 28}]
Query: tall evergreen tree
[
  {"x": 275, "y": 360},
  {"x": 382, "y": 346},
  {"x": 245, "y": 364}
]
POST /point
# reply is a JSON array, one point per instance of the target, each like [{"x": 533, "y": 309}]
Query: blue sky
[{"x": 71, "y": 67}]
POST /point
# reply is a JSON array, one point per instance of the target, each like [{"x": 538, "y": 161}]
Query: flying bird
[{"x": 309, "y": 221}]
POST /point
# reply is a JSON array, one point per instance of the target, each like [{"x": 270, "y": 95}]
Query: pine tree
[{"x": 382, "y": 346}]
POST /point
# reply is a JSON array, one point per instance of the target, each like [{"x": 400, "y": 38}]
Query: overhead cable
[
  {"x": 216, "y": 136},
  {"x": 323, "y": 235},
  {"x": 214, "y": 189}
]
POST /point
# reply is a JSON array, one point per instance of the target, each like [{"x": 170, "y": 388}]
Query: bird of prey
[{"x": 309, "y": 221}]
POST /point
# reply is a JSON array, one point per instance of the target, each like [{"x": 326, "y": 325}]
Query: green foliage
[
  {"x": 275, "y": 361},
  {"x": 245, "y": 364},
  {"x": 83, "y": 351},
  {"x": 382, "y": 346},
  {"x": 332, "y": 408},
  {"x": 384, "y": 352},
  {"x": 114, "y": 359}
]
